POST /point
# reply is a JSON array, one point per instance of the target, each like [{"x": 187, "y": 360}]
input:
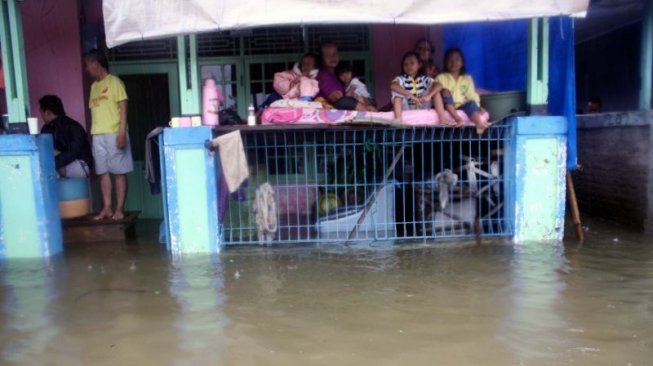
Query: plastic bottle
[
  {"x": 210, "y": 103},
  {"x": 251, "y": 117}
]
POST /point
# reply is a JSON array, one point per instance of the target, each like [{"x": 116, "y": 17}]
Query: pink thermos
[{"x": 211, "y": 98}]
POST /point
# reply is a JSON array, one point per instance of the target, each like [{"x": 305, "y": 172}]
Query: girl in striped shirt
[{"x": 412, "y": 90}]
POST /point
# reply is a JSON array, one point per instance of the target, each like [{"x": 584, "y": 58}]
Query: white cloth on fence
[
  {"x": 265, "y": 211},
  {"x": 445, "y": 180},
  {"x": 232, "y": 159}
]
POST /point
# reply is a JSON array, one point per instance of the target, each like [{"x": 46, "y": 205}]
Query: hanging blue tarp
[
  {"x": 495, "y": 52},
  {"x": 496, "y": 55},
  {"x": 562, "y": 79}
]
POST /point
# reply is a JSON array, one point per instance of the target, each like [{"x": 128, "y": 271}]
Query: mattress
[{"x": 420, "y": 117}]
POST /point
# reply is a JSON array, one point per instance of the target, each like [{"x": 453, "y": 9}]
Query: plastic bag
[{"x": 229, "y": 117}]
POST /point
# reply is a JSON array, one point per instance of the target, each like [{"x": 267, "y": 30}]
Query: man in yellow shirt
[{"x": 111, "y": 149}]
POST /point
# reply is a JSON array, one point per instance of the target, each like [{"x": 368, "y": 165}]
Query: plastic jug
[{"x": 210, "y": 103}]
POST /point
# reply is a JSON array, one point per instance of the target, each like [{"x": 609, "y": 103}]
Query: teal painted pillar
[
  {"x": 189, "y": 178},
  {"x": 189, "y": 90},
  {"x": 536, "y": 165},
  {"x": 13, "y": 59},
  {"x": 646, "y": 64},
  {"x": 30, "y": 226},
  {"x": 538, "y": 66}
]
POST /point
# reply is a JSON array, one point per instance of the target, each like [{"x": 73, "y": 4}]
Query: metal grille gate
[{"x": 371, "y": 183}]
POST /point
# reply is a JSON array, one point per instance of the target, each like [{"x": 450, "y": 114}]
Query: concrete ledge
[
  {"x": 21, "y": 143},
  {"x": 540, "y": 125},
  {"x": 194, "y": 136},
  {"x": 614, "y": 119}
]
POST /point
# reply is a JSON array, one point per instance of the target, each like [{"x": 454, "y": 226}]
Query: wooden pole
[
  {"x": 369, "y": 204},
  {"x": 573, "y": 203}
]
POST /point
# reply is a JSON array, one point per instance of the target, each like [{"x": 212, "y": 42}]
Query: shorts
[
  {"x": 108, "y": 158},
  {"x": 469, "y": 108},
  {"x": 76, "y": 169},
  {"x": 409, "y": 105}
]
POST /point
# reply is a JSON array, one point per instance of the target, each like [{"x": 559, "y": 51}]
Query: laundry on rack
[{"x": 152, "y": 161}]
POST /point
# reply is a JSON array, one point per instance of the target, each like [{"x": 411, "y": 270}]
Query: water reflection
[
  {"x": 535, "y": 330},
  {"x": 27, "y": 327},
  {"x": 197, "y": 283}
]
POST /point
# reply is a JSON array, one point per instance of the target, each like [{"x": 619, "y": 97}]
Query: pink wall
[
  {"x": 389, "y": 43},
  {"x": 53, "y": 53}
]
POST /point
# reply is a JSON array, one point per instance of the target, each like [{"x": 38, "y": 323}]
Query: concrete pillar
[
  {"x": 189, "y": 90},
  {"x": 646, "y": 52},
  {"x": 13, "y": 58},
  {"x": 30, "y": 226},
  {"x": 190, "y": 191},
  {"x": 538, "y": 66},
  {"x": 536, "y": 166}
]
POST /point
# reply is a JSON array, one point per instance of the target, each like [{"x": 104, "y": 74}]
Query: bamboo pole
[{"x": 573, "y": 203}]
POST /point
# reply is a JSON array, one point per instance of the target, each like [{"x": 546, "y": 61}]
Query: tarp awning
[{"x": 133, "y": 20}]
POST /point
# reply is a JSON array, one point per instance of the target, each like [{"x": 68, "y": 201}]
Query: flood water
[{"x": 381, "y": 304}]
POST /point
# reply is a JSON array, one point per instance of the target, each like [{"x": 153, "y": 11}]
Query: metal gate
[{"x": 351, "y": 183}]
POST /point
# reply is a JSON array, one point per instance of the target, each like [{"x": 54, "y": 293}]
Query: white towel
[{"x": 232, "y": 159}]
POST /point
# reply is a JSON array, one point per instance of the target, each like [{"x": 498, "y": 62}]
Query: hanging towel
[{"x": 232, "y": 159}]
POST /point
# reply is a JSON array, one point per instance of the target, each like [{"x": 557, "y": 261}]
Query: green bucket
[{"x": 499, "y": 105}]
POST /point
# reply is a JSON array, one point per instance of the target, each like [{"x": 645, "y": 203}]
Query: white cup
[{"x": 33, "y": 125}]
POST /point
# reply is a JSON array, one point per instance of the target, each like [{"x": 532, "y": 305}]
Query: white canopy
[{"x": 132, "y": 20}]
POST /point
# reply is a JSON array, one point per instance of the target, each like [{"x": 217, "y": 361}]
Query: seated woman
[
  {"x": 331, "y": 89},
  {"x": 424, "y": 48},
  {"x": 300, "y": 81}
]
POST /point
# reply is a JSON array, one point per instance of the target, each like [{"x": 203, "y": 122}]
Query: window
[{"x": 243, "y": 62}]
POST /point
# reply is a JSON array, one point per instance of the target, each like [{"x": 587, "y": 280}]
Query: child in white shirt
[{"x": 353, "y": 86}]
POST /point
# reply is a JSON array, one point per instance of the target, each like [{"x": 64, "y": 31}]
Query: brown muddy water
[{"x": 381, "y": 304}]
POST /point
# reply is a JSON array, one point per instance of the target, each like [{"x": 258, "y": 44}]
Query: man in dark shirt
[{"x": 73, "y": 158}]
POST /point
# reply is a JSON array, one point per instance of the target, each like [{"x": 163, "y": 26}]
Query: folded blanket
[
  {"x": 295, "y": 103},
  {"x": 419, "y": 117}
]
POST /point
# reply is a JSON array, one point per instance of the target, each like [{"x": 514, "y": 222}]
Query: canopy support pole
[
  {"x": 13, "y": 57},
  {"x": 538, "y": 66},
  {"x": 188, "y": 88},
  {"x": 646, "y": 63}
]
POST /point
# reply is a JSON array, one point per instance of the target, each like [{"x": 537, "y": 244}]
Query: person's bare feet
[
  {"x": 481, "y": 127},
  {"x": 118, "y": 215},
  {"x": 445, "y": 120},
  {"x": 104, "y": 214}
]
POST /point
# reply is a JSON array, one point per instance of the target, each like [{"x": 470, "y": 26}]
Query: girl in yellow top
[{"x": 458, "y": 91}]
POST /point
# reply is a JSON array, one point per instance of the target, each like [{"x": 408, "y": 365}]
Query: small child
[
  {"x": 458, "y": 92},
  {"x": 412, "y": 90},
  {"x": 353, "y": 86},
  {"x": 300, "y": 81}
]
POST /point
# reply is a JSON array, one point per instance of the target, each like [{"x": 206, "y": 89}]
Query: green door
[{"x": 153, "y": 99}]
